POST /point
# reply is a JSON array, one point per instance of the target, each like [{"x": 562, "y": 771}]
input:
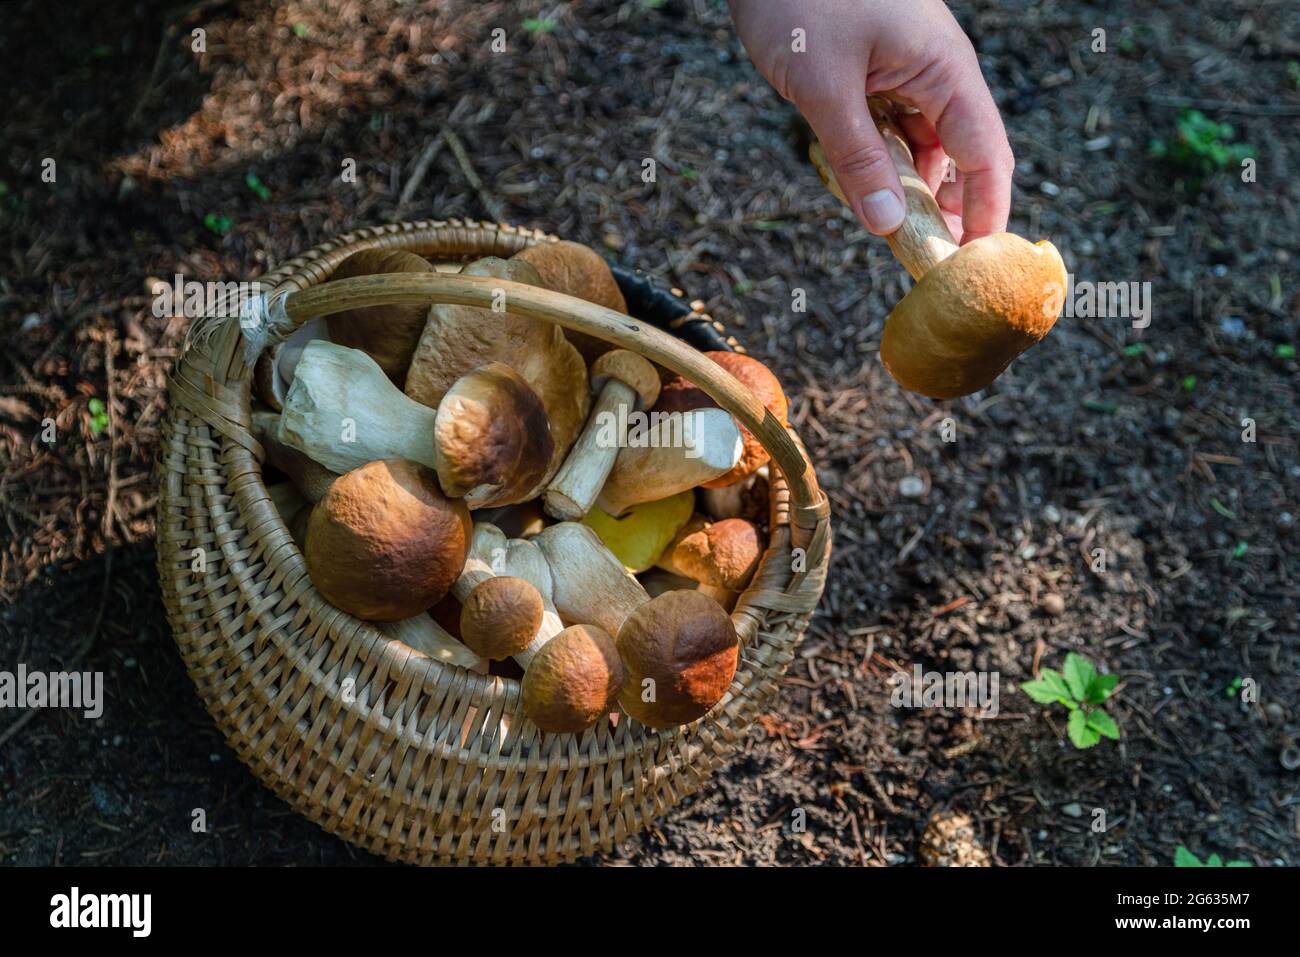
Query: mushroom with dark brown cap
[
  {"x": 679, "y": 652},
  {"x": 577, "y": 270},
  {"x": 681, "y": 395},
  {"x": 501, "y": 616},
  {"x": 386, "y": 333},
  {"x": 573, "y": 681},
  {"x": 974, "y": 308},
  {"x": 491, "y": 437},
  {"x": 624, "y": 382},
  {"x": 384, "y": 543}
]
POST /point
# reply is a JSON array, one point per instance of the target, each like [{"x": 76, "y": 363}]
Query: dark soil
[{"x": 1086, "y": 443}]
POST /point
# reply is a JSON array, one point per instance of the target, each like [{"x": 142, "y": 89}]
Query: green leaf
[
  {"x": 1189, "y": 383},
  {"x": 98, "y": 416},
  {"x": 217, "y": 223},
  {"x": 300, "y": 29},
  {"x": 1222, "y": 509},
  {"x": 1096, "y": 405},
  {"x": 1042, "y": 692},
  {"x": 1285, "y": 351},
  {"x": 1185, "y": 858},
  {"x": 1100, "y": 687},
  {"x": 1081, "y": 735},
  {"x": 1214, "y": 860},
  {"x": 1079, "y": 673},
  {"x": 1135, "y": 349},
  {"x": 539, "y": 25},
  {"x": 257, "y": 186},
  {"x": 1239, "y": 864},
  {"x": 1239, "y": 550},
  {"x": 1104, "y": 725}
]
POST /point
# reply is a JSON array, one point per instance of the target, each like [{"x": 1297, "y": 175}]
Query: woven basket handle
[{"x": 808, "y": 504}]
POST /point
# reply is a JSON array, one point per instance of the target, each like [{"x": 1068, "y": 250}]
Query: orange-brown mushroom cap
[
  {"x": 573, "y": 681},
  {"x": 492, "y": 437},
  {"x": 974, "y": 312},
  {"x": 681, "y": 395},
  {"x": 500, "y": 617},
  {"x": 679, "y": 653},
  {"x": 384, "y": 543},
  {"x": 723, "y": 554}
]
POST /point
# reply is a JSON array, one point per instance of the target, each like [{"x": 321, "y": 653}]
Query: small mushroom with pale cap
[
  {"x": 387, "y": 333},
  {"x": 457, "y": 339},
  {"x": 974, "y": 308},
  {"x": 573, "y": 681},
  {"x": 384, "y": 543},
  {"x": 489, "y": 444},
  {"x": 679, "y": 652},
  {"x": 624, "y": 382}
]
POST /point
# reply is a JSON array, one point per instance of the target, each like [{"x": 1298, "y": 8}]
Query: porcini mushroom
[
  {"x": 273, "y": 372},
  {"x": 491, "y": 438},
  {"x": 591, "y": 585},
  {"x": 574, "y": 680},
  {"x": 974, "y": 308},
  {"x": 500, "y": 617},
  {"x": 721, "y": 556},
  {"x": 310, "y": 478},
  {"x": 386, "y": 333},
  {"x": 638, "y": 538},
  {"x": 384, "y": 543},
  {"x": 677, "y": 452},
  {"x": 679, "y": 652},
  {"x": 577, "y": 270},
  {"x": 624, "y": 382},
  {"x": 681, "y": 395},
  {"x": 457, "y": 339},
  {"x": 489, "y": 443}
]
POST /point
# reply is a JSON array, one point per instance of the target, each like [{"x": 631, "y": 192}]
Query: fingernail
[{"x": 882, "y": 210}]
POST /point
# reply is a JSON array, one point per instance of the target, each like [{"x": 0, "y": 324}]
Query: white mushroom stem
[
  {"x": 679, "y": 450},
  {"x": 590, "y": 584},
  {"x": 575, "y": 487},
  {"x": 310, "y": 478},
  {"x": 343, "y": 412},
  {"x": 429, "y": 638},
  {"x": 484, "y": 558}
]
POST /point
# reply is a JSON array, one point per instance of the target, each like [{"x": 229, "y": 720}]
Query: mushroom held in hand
[
  {"x": 974, "y": 308},
  {"x": 386, "y": 333},
  {"x": 573, "y": 681},
  {"x": 680, "y": 395},
  {"x": 501, "y": 617},
  {"x": 384, "y": 543},
  {"x": 680, "y": 652}
]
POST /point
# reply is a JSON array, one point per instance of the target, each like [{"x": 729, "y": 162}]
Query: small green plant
[
  {"x": 1185, "y": 858},
  {"x": 1189, "y": 383},
  {"x": 98, "y": 416},
  {"x": 218, "y": 224},
  {"x": 1234, "y": 688},
  {"x": 1285, "y": 350},
  {"x": 300, "y": 30},
  {"x": 1200, "y": 146},
  {"x": 257, "y": 186},
  {"x": 539, "y": 25},
  {"x": 1082, "y": 690}
]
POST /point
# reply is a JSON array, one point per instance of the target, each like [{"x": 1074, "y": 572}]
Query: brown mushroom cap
[
  {"x": 682, "y": 395},
  {"x": 573, "y": 681},
  {"x": 458, "y": 339},
  {"x": 500, "y": 617},
  {"x": 384, "y": 543},
  {"x": 680, "y": 650},
  {"x": 388, "y": 334},
  {"x": 628, "y": 367},
  {"x": 491, "y": 437},
  {"x": 577, "y": 270},
  {"x": 722, "y": 554},
  {"x": 969, "y": 316}
]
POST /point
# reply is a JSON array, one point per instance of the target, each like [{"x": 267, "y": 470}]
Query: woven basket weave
[{"x": 400, "y": 754}]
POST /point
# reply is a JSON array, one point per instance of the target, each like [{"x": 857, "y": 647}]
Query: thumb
[{"x": 860, "y": 160}]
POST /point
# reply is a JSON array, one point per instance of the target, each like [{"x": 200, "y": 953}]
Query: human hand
[{"x": 914, "y": 51}]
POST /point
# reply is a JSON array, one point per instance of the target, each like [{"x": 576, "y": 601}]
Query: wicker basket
[{"x": 402, "y": 755}]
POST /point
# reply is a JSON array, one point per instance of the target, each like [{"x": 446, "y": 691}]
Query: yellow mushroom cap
[
  {"x": 500, "y": 617},
  {"x": 638, "y": 538},
  {"x": 573, "y": 681},
  {"x": 974, "y": 312},
  {"x": 680, "y": 652}
]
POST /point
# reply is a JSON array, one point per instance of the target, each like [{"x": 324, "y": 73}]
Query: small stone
[
  {"x": 1072, "y": 810},
  {"x": 1051, "y": 514},
  {"x": 1053, "y": 604},
  {"x": 1049, "y": 188},
  {"x": 911, "y": 487}
]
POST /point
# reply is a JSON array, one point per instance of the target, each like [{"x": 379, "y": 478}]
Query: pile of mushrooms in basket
[{"x": 513, "y": 499}]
